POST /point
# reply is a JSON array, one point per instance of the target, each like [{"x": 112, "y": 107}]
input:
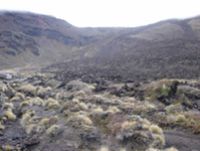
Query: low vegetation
[{"x": 75, "y": 115}]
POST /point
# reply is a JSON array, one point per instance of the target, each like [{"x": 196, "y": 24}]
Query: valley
[{"x": 67, "y": 88}]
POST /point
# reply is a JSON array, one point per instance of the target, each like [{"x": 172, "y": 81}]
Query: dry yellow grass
[
  {"x": 79, "y": 120},
  {"x": 28, "y": 89},
  {"x": 52, "y": 104},
  {"x": 10, "y": 115},
  {"x": 155, "y": 129},
  {"x": 53, "y": 130},
  {"x": 2, "y": 127}
]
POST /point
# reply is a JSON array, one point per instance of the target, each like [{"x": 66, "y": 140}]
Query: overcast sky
[{"x": 126, "y": 13}]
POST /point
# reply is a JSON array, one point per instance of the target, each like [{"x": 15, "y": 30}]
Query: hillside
[
  {"x": 30, "y": 39},
  {"x": 165, "y": 49},
  {"x": 168, "y": 49}
]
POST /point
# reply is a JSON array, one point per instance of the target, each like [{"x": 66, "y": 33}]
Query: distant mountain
[{"x": 166, "y": 49}]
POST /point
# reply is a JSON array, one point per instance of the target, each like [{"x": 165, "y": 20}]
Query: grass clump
[
  {"x": 180, "y": 118},
  {"x": 80, "y": 121},
  {"x": 27, "y": 117},
  {"x": 28, "y": 89},
  {"x": 54, "y": 130},
  {"x": 18, "y": 97},
  {"x": 10, "y": 115},
  {"x": 2, "y": 127},
  {"x": 155, "y": 129},
  {"x": 140, "y": 133},
  {"x": 52, "y": 104},
  {"x": 43, "y": 92}
]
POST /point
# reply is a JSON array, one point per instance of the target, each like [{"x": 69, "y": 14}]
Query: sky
[{"x": 108, "y": 13}]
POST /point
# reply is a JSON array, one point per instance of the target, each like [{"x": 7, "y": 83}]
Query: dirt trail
[{"x": 182, "y": 141}]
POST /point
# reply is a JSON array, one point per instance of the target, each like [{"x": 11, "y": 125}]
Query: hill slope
[
  {"x": 165, "y": 49},
  {"x": 36, "y": 39}
]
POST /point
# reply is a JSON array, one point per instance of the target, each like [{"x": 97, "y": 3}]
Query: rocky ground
[{"x": 38, "y": 112}]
